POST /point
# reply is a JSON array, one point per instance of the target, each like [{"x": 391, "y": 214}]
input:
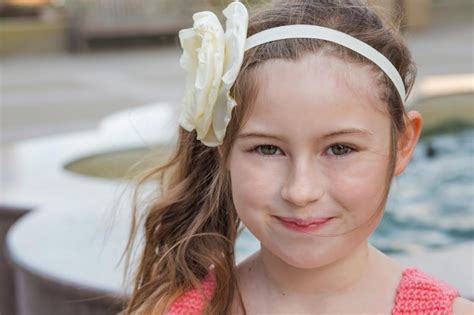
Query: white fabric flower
[{"x": 212, "y": 60}]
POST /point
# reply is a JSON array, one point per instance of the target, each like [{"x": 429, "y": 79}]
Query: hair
[{"x": 193, "y": 225}]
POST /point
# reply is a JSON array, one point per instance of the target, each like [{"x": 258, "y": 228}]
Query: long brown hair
[{"x": 193, "y": 224}]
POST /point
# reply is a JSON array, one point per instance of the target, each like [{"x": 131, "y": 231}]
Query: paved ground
[
  {"x": 43, "y": 95},
  {"x": 51, "y": 94}
]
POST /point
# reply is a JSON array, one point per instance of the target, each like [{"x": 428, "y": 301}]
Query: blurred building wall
[{"x": 89, "y": 18}]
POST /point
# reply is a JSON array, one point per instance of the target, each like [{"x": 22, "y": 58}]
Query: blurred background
[
  {"x": 90, "y": 88},
  {"x": 67, "y": 64}
]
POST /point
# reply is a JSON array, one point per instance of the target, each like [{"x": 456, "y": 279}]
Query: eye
[
  {"x": 266, "y": 149},
  {"x": 340, "y": 149}
]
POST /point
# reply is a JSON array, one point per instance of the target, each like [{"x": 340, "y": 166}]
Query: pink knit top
[
  {"x": 417, "y": 293},
  {"x": 193, "y": 302}
]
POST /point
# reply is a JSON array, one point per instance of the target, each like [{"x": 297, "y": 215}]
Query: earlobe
[{"x": 407, "y": 141}]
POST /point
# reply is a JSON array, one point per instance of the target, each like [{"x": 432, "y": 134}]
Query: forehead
[{"x": 319, "y": 91}]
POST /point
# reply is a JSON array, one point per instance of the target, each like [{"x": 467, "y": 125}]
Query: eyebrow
[{"x": 348, "y": 131}]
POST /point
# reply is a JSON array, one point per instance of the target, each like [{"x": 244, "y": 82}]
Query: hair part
[{"x": 193, "y": 224}]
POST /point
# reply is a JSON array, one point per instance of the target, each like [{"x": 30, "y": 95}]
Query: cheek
[
  {"x": 254, "y": 186},
  {"x": 360, "y": 186}
]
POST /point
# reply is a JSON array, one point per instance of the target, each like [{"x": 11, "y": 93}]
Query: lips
[
  {"x": 310, "y": 225},
  {"x": 304, "y": 222}
]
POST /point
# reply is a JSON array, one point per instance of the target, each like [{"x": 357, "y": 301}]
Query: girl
[{"x": 294, "y": 125}]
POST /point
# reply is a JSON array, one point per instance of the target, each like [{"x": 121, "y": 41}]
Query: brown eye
[
  {"x": 340, "y": 149},
  {"x": 267, "y": 149}
]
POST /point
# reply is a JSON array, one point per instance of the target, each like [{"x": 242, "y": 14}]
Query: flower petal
[
  {"x": 235, "y": 36},
  {"x": 203, "y": 59},
  {"x": 212, "y": 60}
]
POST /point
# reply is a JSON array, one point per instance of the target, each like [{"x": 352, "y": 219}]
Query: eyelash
[{"x": 257, "y": 147}]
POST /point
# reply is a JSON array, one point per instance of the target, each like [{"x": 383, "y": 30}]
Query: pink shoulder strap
[
  {"x": 192, "y": 302},
  {"x": 419, "y": 293}
]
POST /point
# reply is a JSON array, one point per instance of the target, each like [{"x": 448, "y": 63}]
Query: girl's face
[{"x": 316, "y": 146}]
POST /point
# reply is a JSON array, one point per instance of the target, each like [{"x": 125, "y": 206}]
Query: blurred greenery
[
  {"x": 446, "y": 114},
  {"x": 221, "y": 4},
  {"x": 31, "y": 35},
  {"x": 119, "y": 164}
]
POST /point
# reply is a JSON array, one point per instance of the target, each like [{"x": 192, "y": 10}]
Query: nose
[{"x": 304, "y": 184}]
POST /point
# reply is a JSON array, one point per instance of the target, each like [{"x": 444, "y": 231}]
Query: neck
[{"x": 336, "y": 278}]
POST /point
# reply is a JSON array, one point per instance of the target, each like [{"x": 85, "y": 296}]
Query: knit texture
[
  {"x": 417, "y": 294},
  {"x": 193, "y": 302}
]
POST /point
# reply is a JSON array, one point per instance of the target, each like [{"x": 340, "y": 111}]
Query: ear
[{"x": 407, "y": 141}]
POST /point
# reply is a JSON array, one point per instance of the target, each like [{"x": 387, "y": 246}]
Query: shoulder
[
  {"x": 462, "y": 306},
  {"x": 420, "y": 291}
]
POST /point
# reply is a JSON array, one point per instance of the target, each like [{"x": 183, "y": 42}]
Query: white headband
[
  {"x": 331, "y": 35},
  {"x": 213, "y": 58}
]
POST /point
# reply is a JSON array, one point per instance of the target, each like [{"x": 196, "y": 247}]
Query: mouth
[{"x": 304, "y": 225}]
